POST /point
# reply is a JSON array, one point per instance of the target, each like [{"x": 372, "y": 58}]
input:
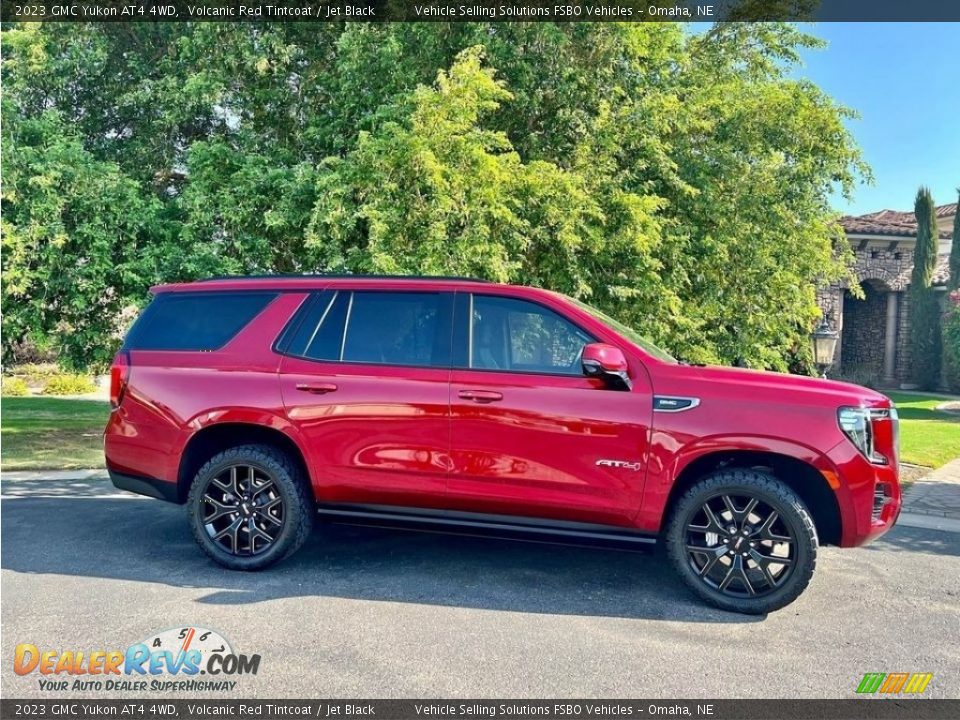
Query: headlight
[{"x": 855, "y": 423}]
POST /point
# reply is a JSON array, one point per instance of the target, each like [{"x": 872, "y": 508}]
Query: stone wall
[
  {"x": 891, "y": 263},
  {"x": 903, "y": 340},
  {"x": 864, "y": 328},
  {"x": 881, "y": 266}
]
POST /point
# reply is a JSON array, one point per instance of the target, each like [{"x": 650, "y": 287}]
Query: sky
[{"x": 904, "y": 81}]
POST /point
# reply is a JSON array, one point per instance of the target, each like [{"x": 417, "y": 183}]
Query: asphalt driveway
[{"x": 364, "y": 612}]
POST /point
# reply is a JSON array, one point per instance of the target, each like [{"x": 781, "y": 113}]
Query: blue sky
[{"x": 904, "y": 80}]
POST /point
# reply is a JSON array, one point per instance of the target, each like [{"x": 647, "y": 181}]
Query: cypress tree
[
  {"x": 924, "y": 308},
  {"x": 954, "y": 281},
  {"x": 951, "y": 324}
]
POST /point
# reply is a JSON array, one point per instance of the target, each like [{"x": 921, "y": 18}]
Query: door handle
[
  {"x": 317, "y": 388},
  {"x": 481, "y": 396}
]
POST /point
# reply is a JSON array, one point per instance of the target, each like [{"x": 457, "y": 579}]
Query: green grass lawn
[
  {"x": 51, "y": 433},
  {"x": 927, "y": 437}
]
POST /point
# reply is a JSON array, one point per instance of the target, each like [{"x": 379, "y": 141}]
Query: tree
[
  {"x": 440, "y": 194},
  {"x": 951, "y": 320},
  {"x": 925, "y": 344},
  {"x": 679, "y": 181},
  {"x": 75, "y": 243},
  {"x": 954, "y": 281}
]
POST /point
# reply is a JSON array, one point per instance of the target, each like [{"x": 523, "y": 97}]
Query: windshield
[{"x": 625, "y": 330}]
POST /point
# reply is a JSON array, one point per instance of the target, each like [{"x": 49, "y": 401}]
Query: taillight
[{"x": 119, "y": 374}]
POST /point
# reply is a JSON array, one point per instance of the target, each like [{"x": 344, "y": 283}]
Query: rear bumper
[
  {"x": 150, "y": 487},
  {"x": 869, "y": 495}
]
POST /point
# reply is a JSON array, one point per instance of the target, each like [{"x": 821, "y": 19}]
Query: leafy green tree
[
  {"x": 78, "y": 239},
  {"x": 679, "y": 181},
  {"x": 441, "y": 194},
  {"x": 925, "y": 344}
]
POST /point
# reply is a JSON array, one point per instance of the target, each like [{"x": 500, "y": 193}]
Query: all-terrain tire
[
  {"x": 291, "y": 487},
  {"x": 772, "y": 495}
]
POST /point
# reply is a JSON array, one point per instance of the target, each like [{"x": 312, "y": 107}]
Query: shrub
[
  {"x": 35, "y": 374},
  {"x": 69, "y": 385},
  {"x": 15, "y": 387},
  {"x": 35, "y": 370}
]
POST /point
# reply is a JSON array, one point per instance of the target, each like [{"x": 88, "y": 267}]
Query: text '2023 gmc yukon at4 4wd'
[{"x": 261, "y": 403}]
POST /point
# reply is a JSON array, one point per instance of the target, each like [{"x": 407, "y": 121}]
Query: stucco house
[{"x": 874, "y": 345}]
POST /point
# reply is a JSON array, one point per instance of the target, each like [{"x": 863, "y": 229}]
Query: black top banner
[{"x": 481, "y": 10}]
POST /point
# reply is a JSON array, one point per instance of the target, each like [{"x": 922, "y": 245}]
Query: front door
[
  {"x": 530, "y": 435},
  {"x": 366, "y": 380}
]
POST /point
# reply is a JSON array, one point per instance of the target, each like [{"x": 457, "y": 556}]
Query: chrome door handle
[
  {"x": 317, "y": 388},
  {"x": 481, "y": 396}
]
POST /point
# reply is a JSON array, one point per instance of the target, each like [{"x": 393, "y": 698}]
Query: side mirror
[{"x": 607, "y": 363}]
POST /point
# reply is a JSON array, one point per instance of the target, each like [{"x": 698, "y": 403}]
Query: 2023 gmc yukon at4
[{"x": 262, "y": 403}]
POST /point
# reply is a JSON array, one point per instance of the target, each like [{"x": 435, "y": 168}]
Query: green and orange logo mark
[{"x": 892, "y": 683}]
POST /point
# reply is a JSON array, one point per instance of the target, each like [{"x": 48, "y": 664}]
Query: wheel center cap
[{"x": 245, "y": 508}]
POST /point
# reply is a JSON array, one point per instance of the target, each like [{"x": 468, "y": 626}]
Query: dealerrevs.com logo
[{"x": 171, "y": 660}]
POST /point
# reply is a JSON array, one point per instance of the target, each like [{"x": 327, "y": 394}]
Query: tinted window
[
  {"x": 195, "y": 321},
  {"x": 397, "y": 329},
  {"x": 381, "y": 327},
  {"x": 521, "y": 336},
  {"x": 318, "y": 327}
]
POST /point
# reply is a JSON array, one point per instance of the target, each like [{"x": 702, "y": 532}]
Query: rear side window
[
  {"x": 195, "y": 321},
  {"x": 317, "y": 330},
  {"x": 387, "y": 328}
]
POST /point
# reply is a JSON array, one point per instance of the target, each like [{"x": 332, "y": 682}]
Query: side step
[{"x": 499, "y": 526}]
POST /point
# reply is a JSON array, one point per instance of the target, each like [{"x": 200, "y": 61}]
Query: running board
[{"x": 490, "y": 525}]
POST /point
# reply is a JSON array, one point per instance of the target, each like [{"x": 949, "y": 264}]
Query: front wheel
[
  {"x": 249, "y": 507},
  {"x": 743, "y": 541}
]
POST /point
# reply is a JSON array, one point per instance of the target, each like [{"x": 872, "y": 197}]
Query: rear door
[
  {"x": 365, "y": 377},
  {"x": 530, "y": 435}
]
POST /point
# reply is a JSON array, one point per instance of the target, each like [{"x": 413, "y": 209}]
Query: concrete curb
[
  {"x": 66, "y": 475},
  {"x": 929, "y": 522}
]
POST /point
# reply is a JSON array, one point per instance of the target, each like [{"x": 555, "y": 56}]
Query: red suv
[{"x": 264, "y": 402}]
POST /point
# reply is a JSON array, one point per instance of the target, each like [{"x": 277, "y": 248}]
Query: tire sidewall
[{"x": 268, "y": 465}]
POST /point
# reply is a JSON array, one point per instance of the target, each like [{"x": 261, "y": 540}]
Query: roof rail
[{"x": 340, "y": 276}]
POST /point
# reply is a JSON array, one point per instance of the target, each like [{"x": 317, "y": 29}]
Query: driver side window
[{"x": 521, "y": 336}]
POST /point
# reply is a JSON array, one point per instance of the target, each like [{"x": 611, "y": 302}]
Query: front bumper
[{"x": 869, "y": 495}]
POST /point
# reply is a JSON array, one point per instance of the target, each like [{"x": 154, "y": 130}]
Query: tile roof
[
  {"x": 892, "y": 222},
  {"x": 947, "y": 210}
]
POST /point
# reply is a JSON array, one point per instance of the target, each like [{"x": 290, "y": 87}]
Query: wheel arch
[
  {"x": 217, "y": 437},
  {"x": 799, "y": 475}
]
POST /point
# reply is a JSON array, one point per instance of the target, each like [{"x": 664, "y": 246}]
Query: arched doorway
[{"x": 869, "y": 334}]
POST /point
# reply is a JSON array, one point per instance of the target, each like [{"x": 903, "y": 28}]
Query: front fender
[{"x": 670, "y": 457}]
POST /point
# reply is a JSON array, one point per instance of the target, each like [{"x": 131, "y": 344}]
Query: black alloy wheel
[
  {"x": 242, "y": 510},
  {"x": 743, "y": 540},
  {"x": 739, "y": 545},
  {"x": 250, "y": 507}
]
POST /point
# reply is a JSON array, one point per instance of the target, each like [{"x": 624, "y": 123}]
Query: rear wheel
[
  {"x": 250, "y": 507},
  {"x": 743, "y": 540}
]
